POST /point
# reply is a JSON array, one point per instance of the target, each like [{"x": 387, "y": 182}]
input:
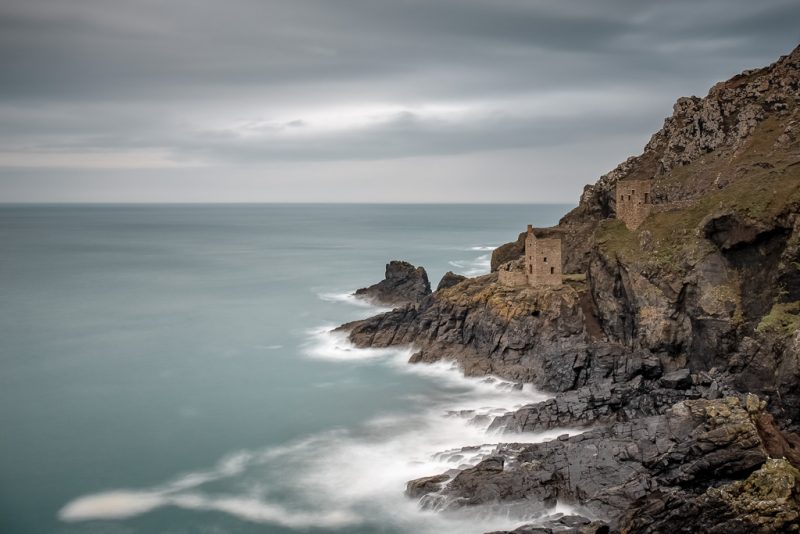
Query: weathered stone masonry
[
  {"x": 539, "y": 266},
  {"x": 512, "y": 278},
  {"x": 542, "y": 260},
  {"x": 634, "y": 202}
]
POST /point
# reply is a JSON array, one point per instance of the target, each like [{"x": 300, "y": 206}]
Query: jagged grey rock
[{"x": 402, "y": 284}]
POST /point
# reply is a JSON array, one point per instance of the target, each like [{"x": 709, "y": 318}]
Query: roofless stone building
[
  {"x": 541, "y": 265},
  {"x": 542, "y": 260},
  {"x": 634, "y": 202}
]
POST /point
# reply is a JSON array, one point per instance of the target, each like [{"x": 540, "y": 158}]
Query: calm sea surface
[{"x": 170, "y": 368}]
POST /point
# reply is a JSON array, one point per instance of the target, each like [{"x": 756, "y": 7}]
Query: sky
[{"x": 353, "y": 100}]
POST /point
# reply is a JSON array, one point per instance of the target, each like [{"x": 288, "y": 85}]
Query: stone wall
[
  {"x": 633, "y": 202},
  {"x": 541, "y": 264},
  {"x": 512, "y": 278}
]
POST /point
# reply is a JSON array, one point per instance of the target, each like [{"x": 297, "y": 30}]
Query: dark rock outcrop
[
  {"x": 768, "y": 501},
  {"x": 610, "y": 468},
  {"x": 422, "y": 486},
  {"x": 508, "y": 252},
  {"x": 522, "y": 334},
  {"x": 449, "y": 280},
  {"x": 627, "y": 396},
  {"x": 402, "y": 284}
]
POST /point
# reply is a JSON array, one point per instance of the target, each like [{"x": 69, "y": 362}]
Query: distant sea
[{"x": 170, "y": 368}]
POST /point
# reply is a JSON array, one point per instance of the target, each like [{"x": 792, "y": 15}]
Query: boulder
[{"x": 680, "y": 379}]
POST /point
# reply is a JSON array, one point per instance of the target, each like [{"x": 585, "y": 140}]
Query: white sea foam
[
  {"x": 257, "y": 511},
  {"x": 351, "y": 299},
  {"x": 123, "y": 504},
  {"x": 474, "y": 267},
  {"x": 326, "y": 344},
  {"x": 117, "y": 504},
  {"x": 345, "y": 477},
  {"x": 483, "y": 247}
]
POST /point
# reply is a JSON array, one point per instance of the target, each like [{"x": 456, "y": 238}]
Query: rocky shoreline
[{"x": 674, "y": 348}]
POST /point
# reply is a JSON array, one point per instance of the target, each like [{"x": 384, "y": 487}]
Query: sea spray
[
  {"x": 348, "y": 477},
  {"x": 348, "y": 297}
]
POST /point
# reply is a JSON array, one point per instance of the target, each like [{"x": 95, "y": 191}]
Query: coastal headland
[{"x": 673, "y": 345}]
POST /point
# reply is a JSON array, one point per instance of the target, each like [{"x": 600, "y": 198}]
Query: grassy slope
[{"x": 762, "y": 183}]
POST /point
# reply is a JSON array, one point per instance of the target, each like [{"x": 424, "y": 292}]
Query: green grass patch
[
  {"x": 783, "y": 319},
  {"x": 759, "y": 182}
]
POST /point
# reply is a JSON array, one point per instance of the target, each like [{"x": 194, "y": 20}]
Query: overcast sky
[{"x": 353, "y": 100}]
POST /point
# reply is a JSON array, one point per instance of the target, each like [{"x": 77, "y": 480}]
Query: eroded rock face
[
  {"x": 638, "y": 392},
  {"x": 768, "y": 501},
  {"x": 608, "y": 469},
  {"x": 403, "y": 283},
  {"x": 705, "y": 312},
  {"x": 516, "y": 333}
]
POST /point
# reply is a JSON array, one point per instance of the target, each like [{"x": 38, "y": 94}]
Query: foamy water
[
  {"x": 348, "y": 297},
  {"x": 349, "y": 477},
  {"x": 474, "y": 267}
]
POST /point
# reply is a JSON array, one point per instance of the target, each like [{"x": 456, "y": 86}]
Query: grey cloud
[
  {"x": 173, "y": 48},
  {"x": 408, "y": 135},
  {"x": 114, "y": 76}
]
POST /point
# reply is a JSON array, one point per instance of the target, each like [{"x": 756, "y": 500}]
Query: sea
[{"x": 172, "y": 369}]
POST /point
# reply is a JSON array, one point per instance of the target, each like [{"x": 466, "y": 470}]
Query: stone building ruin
[
  {"x": 633, "y": 202},
  {"x": 540, "y": 265}
]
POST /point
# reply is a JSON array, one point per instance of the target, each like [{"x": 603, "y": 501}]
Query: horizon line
[{"x": 267, "y": 203}]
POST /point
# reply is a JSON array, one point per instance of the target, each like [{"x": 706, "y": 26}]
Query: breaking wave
[
  {"x": 349, "y": 476},
  {"x": 477, "y": 266},
  {"x": 352, "y": 300}
]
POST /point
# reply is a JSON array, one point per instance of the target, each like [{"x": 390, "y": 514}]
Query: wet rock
[
  {"x": 494, "y": 463},
  {"x": 607, "y": 469},
  {"x": 402, "y": 284},
  {"x": 568, "y": 524},
  {"x": 602, "y": 402},
  {"x": 422, "y": 486}
]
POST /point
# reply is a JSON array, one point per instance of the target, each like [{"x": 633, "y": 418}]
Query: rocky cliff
[{"x": 679, "y": 353}]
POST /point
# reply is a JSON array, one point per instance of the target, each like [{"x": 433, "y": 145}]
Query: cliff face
[
  {"x": 724, "y": 133},
  {"x": 712, "y": 278},
  {"x": 676, "y": 322},
  {"x": 707, "y": 275}
]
